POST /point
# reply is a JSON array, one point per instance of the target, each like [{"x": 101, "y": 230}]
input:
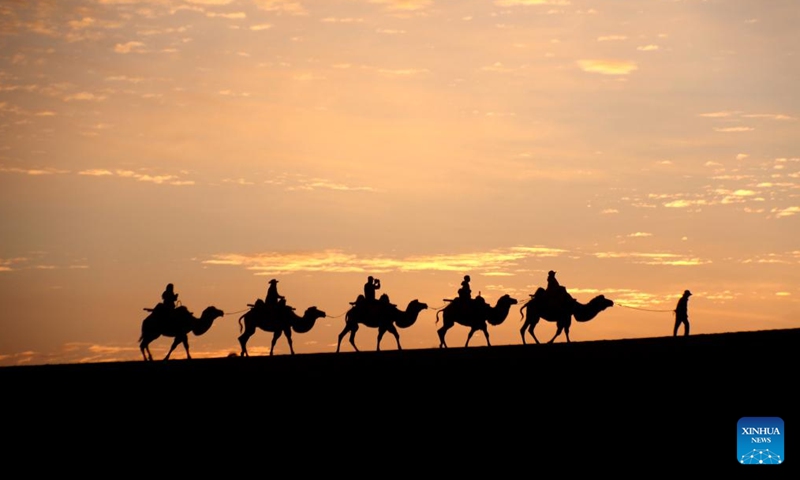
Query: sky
[{"x": 637, "y": 148}]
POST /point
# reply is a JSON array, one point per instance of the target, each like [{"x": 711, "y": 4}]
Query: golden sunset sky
[{"x": 638, "y": 148}]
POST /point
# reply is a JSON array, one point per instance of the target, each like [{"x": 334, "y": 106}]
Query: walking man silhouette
[{"x": 682, "y": 314}]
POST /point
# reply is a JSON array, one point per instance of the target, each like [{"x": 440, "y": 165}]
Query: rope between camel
[
  {"x": 644, "y": 309},
  {"x": 240, "y": 311}
]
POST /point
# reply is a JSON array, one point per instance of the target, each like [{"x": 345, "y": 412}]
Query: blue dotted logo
[{"x": 760, "y": 441}]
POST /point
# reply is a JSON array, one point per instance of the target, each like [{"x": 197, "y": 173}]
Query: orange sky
[{"x": 638, "y": 148}]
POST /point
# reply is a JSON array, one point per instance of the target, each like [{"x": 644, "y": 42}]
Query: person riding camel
[
  {"x": 169, "y": 297},
  {"x": 555, "y": 291},
  {"x": 370, "y": 287},
  {"x": 465, "y": 293},
  {"x": 273, "y": 297}
]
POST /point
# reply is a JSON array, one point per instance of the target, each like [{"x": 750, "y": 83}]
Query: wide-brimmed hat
[
  {"x": 273, "y": 281},
  {"x": 687, "y": 293}
]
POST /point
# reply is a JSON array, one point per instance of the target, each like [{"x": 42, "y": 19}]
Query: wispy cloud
[
  {"x": 647, "y": 48},
  {"x": 128, "y": 47},
  {"x": 608, "y": 67},
  {"x": 84, "y": 97},
  {"x": 514, "y": 3},
  {"x": 721, "y": 114},
  {"x": 142, "y": 177},
  {"x": 338, "y": 261},
  {"x": 656, "y": 258},
  {"x": 404, "y": 5},
  {"x": 610, "y": 38},
  {"x": 785, "y": 212},
  {"x": 289, "y": 7},
  {"x": 733, "y": 129},
  {"x": 33, "y": 171}
]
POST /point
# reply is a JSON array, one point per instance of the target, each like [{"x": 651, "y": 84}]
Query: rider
[
  {"x": 552, "y": 283},
  {"x": 273, "y": 297},
  {"x": 465, "y": 293},
  {"x": 370, "y": 287},
  {"x": 169, "y": 297}
]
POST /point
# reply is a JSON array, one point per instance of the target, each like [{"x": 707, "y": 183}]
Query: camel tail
[
  {"x": 522, "y": 311},
  {"x": 437, "y": 316},
  {"x": 240, "y": 322}
]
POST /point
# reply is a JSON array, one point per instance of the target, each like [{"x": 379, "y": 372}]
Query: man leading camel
[{"x": 682, "y": 314}]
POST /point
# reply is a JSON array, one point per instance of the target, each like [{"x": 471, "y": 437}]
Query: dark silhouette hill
[{"x": 616, "y": 402}]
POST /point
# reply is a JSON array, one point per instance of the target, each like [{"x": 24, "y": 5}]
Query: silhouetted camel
[
  {"x": 178, "y": 325},
  {"x": 559, "y": 310},
  {"x": 383, "y": 316},
  {"x": 475, "y": 315},
  {"x": 282, "y": 320}
]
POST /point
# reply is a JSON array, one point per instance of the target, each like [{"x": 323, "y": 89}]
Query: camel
[
  {"x": 381, "y": 315},
  {"x": 282, "y": 321},
  {"x": 178, "y": 325},
  {"x": 475, "y": 315},
  {"x": 559, "y": 309}
]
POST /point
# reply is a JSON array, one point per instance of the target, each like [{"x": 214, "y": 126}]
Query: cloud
[
  {"x": 338, "y": 261},
  {"x": 514, "y": 3},
  {"x": 402, "y": 72},
  {"x": 33, "y": 171},
  {"x": 785, "y": 212},
  {"x": 289, "y": 7},
  {"x": 734, "y": 129},
  {"x": 772, "y": 116},
  {"x": 609, "y": 38},
  {"x": 84, "y": 97},
  {"x": 670, "y": 259},
  {"x": 230, "y": 16},
  {"x": 142, "y": 177},
  {"x": 342, "y": 20},
  {"x": 209, "y": 2},
  {"x": 258, "y": 28},
  {"x": 320, "y": 183},
  {"x": 640, "y": 234},
  {"x": 723, "y": 114},
  {"x": 404, "y": 5},
  {"x": 608, "y": 67},
  {"x": 136, "y": 47},
  {"x": 647, "y": 48}
]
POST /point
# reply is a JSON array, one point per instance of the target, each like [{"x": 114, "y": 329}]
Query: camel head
[
  {"x": 603, "y": 302},
  {"x": 314, "y": 312},
  {"x": 506, "y": 300},
  {"x": 416, "y": 306},
  {"x": 212, "y": 313}
]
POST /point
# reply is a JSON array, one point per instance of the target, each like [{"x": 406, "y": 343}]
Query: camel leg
[
  {"x": 442, "y": 331},
  {"x": 145, "y": 347},
  {"x": 566, "y": 331},
  {"x": 522, "y": 332},
  {"x": 288, "y": 334},
  {"x": 186, "y": 347},
  {"x": 274, "y": 341},
  {"x": 381, "y": 331},
  {"x": 173, "y": 347},
  {"x": 558, "y": 332},
  {"x": 486, "y": 334},
  {"x": 394, "y": 332},
  {"x": 531, "y": 326},
  {"x": 243, "y": 338},
  {"x": 341, "y": 336},
  {"x": 353, "y": 336},
  {"x": 470, "y": 334}
]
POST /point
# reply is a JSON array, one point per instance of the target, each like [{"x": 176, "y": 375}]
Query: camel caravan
[{"x": 552, "y": 304}]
